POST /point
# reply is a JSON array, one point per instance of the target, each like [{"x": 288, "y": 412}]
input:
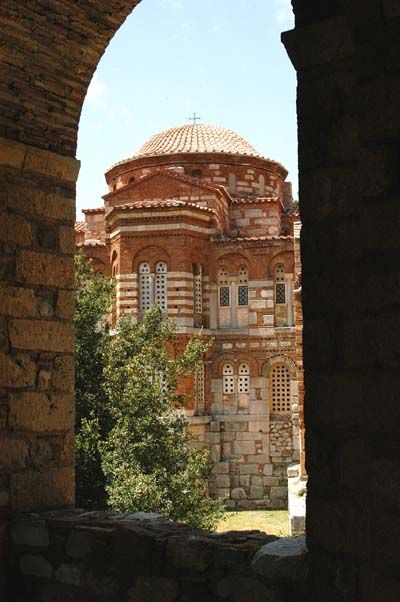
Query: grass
[{"x": 272, "y": 522}]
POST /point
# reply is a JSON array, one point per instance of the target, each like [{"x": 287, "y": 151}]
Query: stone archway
[{"x": 349, "y": 186}]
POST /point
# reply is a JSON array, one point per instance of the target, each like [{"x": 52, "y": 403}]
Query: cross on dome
[{"x": 194, "y": 118}]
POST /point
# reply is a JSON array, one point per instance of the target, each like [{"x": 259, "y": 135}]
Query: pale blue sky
[{"x": 220, "y": 58}]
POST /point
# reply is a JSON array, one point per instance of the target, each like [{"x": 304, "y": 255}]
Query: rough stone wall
[
  {"x": 347, "y": 56},
  {"x": 139, "y": 558},
  {"x": 49, "y": 53}
]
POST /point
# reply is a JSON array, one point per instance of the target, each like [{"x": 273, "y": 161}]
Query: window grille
[
  {"x": 243, "y": 295},
  {"x": 244, "y": 379},
  {"x": 224, "y": 296},
  {"x": 280, "y": 389},
  {"x": 160, "y": 296},
  {"x": 197, "y": 289},
  {"x": 228, "y": 380},
  {"x": 145, "y": 294},
  {"x": 199, "y": 386},
  {"x": 280, "y": 293}
]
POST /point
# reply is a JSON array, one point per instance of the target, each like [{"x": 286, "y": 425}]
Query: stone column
[{"x": 36, "y": 342}]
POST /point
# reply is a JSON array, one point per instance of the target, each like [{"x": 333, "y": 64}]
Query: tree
[
  {"x": 93, "y": 420},
  {"x": 134, "y": 450},
  {"x": 148, "y": 459}
]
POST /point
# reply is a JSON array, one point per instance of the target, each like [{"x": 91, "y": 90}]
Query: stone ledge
[{"x": 143, "y": 557}]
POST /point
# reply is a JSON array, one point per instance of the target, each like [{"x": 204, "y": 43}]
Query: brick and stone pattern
[
  {"x": 200, "y": 200},
  {"x": 115, "y": 558}
]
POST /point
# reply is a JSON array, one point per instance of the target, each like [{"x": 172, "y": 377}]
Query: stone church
[{"x": 202, "y": 224}]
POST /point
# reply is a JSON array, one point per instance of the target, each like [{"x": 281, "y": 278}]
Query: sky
[{"x": 222, "y": 59}]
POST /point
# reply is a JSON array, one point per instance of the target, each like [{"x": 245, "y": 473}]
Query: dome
[{"x": 199, "y": 138}]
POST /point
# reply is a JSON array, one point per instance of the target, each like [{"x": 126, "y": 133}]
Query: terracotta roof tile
[
  {"x": 166, "y": 204},
  {"x": 199, "y": 138}
]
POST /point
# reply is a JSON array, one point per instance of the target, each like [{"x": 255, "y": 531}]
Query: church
[{"x": 200, "y": 223}]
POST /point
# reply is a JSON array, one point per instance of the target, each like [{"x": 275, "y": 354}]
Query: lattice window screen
[
  {"x": 244, "y": 379},
  {"x": 198, "y": 294},
  {"x": 280, "y": 389},
  {"x": 145, "y": 292},
  {"x": 228, "y": 380},
  {"x": 280, "y": 287},
  {"x": 199, "y": 386},
  {"x": 160, "y": 296},
  {"x": 224, "y": 296},
  {"x": 243, "y": 291}
]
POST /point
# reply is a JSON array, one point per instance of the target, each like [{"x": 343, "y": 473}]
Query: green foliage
[
  {"x": 148, "y": 459},
  {"x": 93, "y": 421},
  {"x": 134, "y": 450}
]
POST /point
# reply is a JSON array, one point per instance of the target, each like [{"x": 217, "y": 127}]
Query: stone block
[
  {"x": 221, "y": 468},
  {"x": 188, "y": 553},
  {"x": 78, "y": 544},
  {"x": 215, "y": 453},
  {"x": 284, "y": 559},
  {"x": 244, "y": 480},
  {"x": 257, "y": 480},
  {"x": 212, "y": 437},
  {"x": 244, "y": 447},
  {"x": 156, "y": 589},
  {"x": 65, "y": 304},
  {"x": 17, "y": 302},
  {"x": 259, "y": 425},
  {"x": 13, "y": 453},
  {"x": 279, "y": 492},
  {"x": 33, "y": 534},
  {"x": 66, "y": 239},
  {"x": 238, "y": 493},
  {"x": 271, "y": 481},
  {"x": 12, "y": 154},
  {"x": 246, "y": 436},
  {"x": 243, "y": 588},
  {"x": 68, "y": 573},
  {"x": 256, "y": 492},
  {"x": 41, "y": 335},
  {"x": 36, "y": 566},
  {"x": 223, "y": 481},
  {"x": 258, "y": 459},
  {"x": 63, "y": 373},
  {"x": 17, "y": 371},
  {"x": 15, "y": 229},
  {"x": 51, "y": 164},
  {"x": 38, "y": 412},
  {"x": 35, "y": 490},
  {"x": 44, "y": 269},
  {"x": 249, "y": 469}
]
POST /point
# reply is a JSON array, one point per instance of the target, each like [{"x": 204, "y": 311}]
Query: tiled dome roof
[{"x": 199, "y": 138}]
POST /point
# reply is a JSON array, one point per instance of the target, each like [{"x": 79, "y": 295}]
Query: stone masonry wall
[
  {"x": 347, "y": 56},
  {"x": 141, "y": 558}
]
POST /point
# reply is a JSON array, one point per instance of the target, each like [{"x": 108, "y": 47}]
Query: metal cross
[{"x": 194, "y": 118}]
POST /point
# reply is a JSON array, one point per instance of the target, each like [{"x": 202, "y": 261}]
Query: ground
[{"x": 273, "y": 522}]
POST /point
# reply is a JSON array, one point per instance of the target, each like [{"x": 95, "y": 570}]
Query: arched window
[
  {"x": 160, "y": 296},
  {"x": 244, "y": 379},
  {"x": 145, "y": 287},
  {"x": 261, "y": 184},
  {"x": 224, "y": 288},
  {"x": 132, "y": 180},
  {"x": 279, "y": 378},
  {"x": 280, "y": 286},
  {"x": 243, "y": 289},
  {"x": 232, "y": 182},
  {"x": 196, "y": 173},
  {"x": 228, "y": 380},
  {"x": 199, "y": 387}
]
